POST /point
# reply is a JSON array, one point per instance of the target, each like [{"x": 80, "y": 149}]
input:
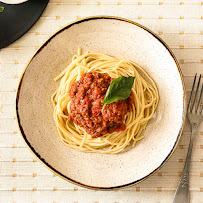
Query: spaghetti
[{"x": 145, "y": 99}]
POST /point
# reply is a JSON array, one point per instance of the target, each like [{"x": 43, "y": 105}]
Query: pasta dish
[{"x": 103, "y": 103}]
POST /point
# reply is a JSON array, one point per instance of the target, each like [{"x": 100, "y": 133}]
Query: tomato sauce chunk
[{"x": 86, "y": 106}]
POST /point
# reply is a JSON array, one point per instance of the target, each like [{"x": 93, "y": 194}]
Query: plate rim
[{"x": 53, "y": 170}]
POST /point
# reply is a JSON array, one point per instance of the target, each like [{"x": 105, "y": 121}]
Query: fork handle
[{"x": 182, "y": 192}]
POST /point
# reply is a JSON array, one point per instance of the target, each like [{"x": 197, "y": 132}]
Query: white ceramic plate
[
  {"x": 120, "y": 38},
  {"x": 13, "y": 1}
]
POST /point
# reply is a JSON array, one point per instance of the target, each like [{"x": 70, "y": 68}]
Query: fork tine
[
  {"x": 200, "y": 97},
  {"x": 189, "y": 103},
  {"x": 196, "y": 92}
]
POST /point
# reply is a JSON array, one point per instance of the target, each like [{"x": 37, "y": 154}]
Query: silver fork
[{"x": 195, "y": 117}]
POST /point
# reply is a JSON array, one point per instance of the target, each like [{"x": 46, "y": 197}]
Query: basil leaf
[
  {"x": 120, "y": 88},
  {"x": 1, "y": 9}
]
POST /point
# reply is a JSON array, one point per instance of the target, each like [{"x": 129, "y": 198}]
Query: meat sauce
[{"x": 86, "y": 106}]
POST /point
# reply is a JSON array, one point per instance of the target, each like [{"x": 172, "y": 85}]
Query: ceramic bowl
[{"x": 120, "y": 38}]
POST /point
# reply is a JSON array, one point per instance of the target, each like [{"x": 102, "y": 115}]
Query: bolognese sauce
[{"x": 86, "y": 106}]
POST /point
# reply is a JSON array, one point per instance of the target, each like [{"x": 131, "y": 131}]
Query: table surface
[{"x": 24, "y": 179}]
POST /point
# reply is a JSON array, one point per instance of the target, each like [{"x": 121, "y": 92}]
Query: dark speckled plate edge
[{"x": 53, "y": 169}]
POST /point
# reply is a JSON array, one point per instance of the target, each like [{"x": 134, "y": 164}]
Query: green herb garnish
[
  {"x": 120, "y": 88},
  {"x": 1, "y": 9}
]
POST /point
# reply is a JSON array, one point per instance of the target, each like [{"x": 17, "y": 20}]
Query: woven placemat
[{"x": 23, "y": 179}]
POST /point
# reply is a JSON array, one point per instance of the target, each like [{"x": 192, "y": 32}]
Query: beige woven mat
[{"x": 23, "y": 179}]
